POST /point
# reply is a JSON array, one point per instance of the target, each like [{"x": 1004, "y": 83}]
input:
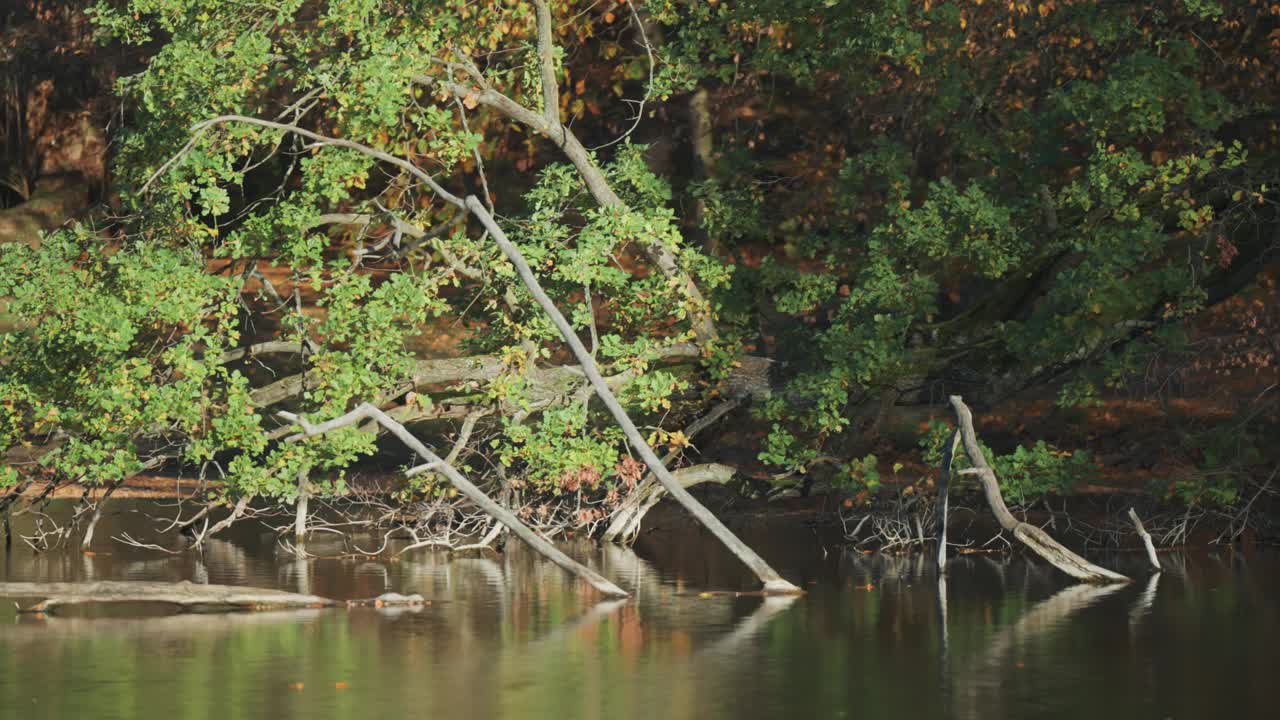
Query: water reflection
[{"x": 512, "y": 636}]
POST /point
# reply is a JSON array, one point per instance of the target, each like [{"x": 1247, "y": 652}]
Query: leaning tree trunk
[
  {"x": 773, "y": 582},
  {"x": 1030, "y": 535}
]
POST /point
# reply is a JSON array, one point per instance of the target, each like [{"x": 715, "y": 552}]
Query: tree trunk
[{"x": 773, "y": 582}]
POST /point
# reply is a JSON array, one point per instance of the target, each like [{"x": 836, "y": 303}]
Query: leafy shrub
[{"x": 1026, "y": 474}]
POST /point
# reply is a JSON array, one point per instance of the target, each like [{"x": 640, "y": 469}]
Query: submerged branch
[{"x": 184, "y": 594}]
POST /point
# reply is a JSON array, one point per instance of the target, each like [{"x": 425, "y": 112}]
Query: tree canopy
[{"x": 816, "y": 208}]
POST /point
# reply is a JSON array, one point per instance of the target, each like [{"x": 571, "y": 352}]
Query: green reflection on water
[{"x": 513, "y": 637}]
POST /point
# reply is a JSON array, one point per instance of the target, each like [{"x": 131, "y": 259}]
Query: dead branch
[
  {"x": 262, "y": 348},
  {"x": 944, "y": 475},
  {"x": 97, "y": 515},
  {"x": 625, "y": 525},
  {"x": 544, "y": 382},
  {"x": 236, "y": 512},
  {"x": 473, "y": 493},
  {"x": 1033, "y": 537},
  {"x": 1146, "y": 539},
  {"x": 773, "y": 582}
]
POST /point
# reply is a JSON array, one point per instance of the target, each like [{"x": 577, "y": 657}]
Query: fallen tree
[{"x": 772, "y": 581}]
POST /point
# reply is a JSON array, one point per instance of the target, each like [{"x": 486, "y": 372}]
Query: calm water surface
[{"x": 514, "y": 637}]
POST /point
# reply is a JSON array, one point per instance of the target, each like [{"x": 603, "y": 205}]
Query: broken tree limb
[
  {"x": 1146, "y": 540},
  {"x": 626, "y": 522},
  {"x": 464, "y": 486},
  {"x": 475, "y": 368},
  {"x": 87, "y": 540},
  {"x": 263, "y": 348},
  {"x": 183, "y": 594},
  {"x": 773, "y": 582},
  {"x": 948, "y": 454},
  {"x": 1033, "y": 537},
  {"x": 241, "y": 505}
]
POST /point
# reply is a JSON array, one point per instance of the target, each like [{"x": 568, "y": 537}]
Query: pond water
[{"x": 514, "y": 637}]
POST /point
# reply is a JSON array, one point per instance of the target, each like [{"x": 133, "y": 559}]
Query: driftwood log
[
  {"x": 1033, "y": 537},
  {"x": 185, "y": 595}
]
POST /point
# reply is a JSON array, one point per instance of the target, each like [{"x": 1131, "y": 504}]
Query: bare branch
[
  {"x": 547, "y": 63},
  {"x": 1146, "y": 539},
  {"x": 773, "y": 582},
  {"x": 236, "y": 512},
  {"x": 1030, "y": 535},
  {"x": 473, "y": 493},
  {"x": 199, "y": 128},
  {"x": 648, "y": 88}
]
